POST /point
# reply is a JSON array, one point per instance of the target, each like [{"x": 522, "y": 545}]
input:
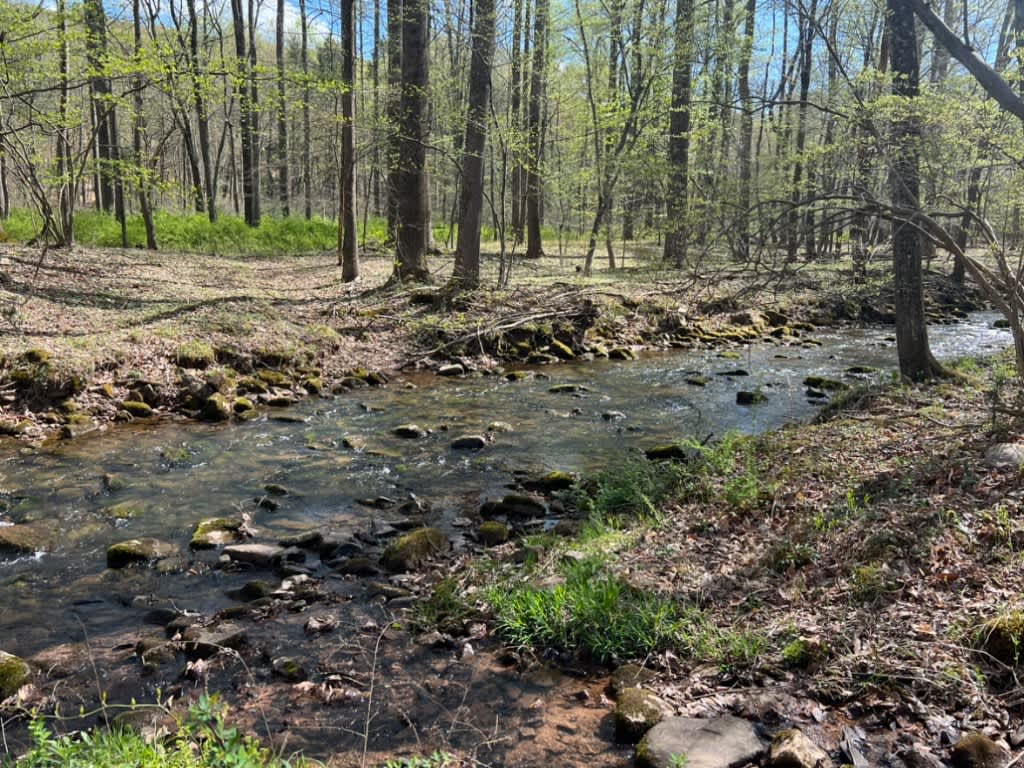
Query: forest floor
[{"x": 81, "y": 331}]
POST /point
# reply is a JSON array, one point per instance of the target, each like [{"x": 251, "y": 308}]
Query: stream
[{"x": 162, "y": 479}]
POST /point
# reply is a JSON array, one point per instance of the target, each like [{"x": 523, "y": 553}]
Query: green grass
[
  {"x": 637, "y": 489},
  {"x": 204, "y": 740},
  {"x": 192, "y": 233}
]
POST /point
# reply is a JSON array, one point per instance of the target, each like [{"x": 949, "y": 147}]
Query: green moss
[
  {"x": 243, "y": 405},
  {"x": 1002, "y": 638},
  {"x": 492, "y": 532},
  {"x": 14, "y": 673},
  {"x": 137, "y": 551},
  {"x": 125, "y": 510},
  {"x": 137, "y": 409},
  {"x": 35, "y": 356},
  {"x": 215, "y": 532},
  {"x": 273, "y": 378},
  {"x": 216, "y": 408},
  {"x": 195, "y": 354},
  {"x": 412, "y": 549},
  {"x": 823, "y": 382},
  {"x": 563, "y": 351}
]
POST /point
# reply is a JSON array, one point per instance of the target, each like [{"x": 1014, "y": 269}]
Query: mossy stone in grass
[
  {"x": 666, "y": 451},
  {"x": 636, "y": 712},
  {"x": 1002, "y": 638},
  {"x": 14, "y": 673},
  {"x": 552, "y": 481},
  {"x": 492, "y": 533},
  {"x": 273, "y": 378},
  {"x": 137, "y": 408},
  {"x": 412, "y": 549},
  {"x": 195, "y": 354},
  {"x": 976, "y": 750},
  {"x": 35, "y": 356},
  {"x": 215, "y": 532}
]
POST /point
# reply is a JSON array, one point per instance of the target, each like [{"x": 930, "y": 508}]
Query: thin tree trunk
[
  {"x": 283, "y": 185},
  {"x": 746, "y": 132},
  {"x": 64, "y": 234},
  {"x": 394, "y": 105},
  {"x": 307, "y": 156},
  {"x": 538, "y": 78}
]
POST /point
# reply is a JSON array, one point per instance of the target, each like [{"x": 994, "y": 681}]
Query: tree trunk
[
  {"x": 138, "y": 136},
  {"x": 249, "y": 150},
  {"x": 349, "y": 255},
  {"x": 394, "y": 113},
  {"x": 515, "y": 121},
  {"x": 746, "y": 132},
  {"x": 806, "y": 48},
  {"x": 202, "y": 114},
  {"x": 963, "y": 231},
  {"x": 101, "y": 99},
  {"x": 412, "y": 191},
  {"x": 283, "y": 186},
  {"x": 677, "y": 235},
  {"x": 63, "y": 229},
  {"x": 467, "y": 251},
  {"x": 538, "y": 77},
  {"x": 307, "y": 155},
  {"x": 915, "y": 357}
]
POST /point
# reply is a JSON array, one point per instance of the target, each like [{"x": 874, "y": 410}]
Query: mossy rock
[
  {"x": 500, "y": 426},
  {"x": 697, "y": 381},
  {"x": 559, "y": 389},
  {"x": 518, "y": 375},
  {"x": 748, "y": 397},
  {"x": 14, "y": 673},
  {"x": 125, "y": 510},
  {"x": 409, "y": 431},
  {"x": 35, "y": 356},
  {"x": 515, "y": 506},
  {"x": 552, "y": 481},
  {"x": 825, "y": 383},
  {"x": 491, "y": 533},
  {"x": 273, "y": 378},
  {"x": 976, "y": 750},
  {"x": 113, "y": 483},
  {"x": 23, "y": 539},
  {"x": 621, "y": 353},
  {"x": 629, "y": 676},
  {"x": 216, "y": 408},
  {"x": 137, "y": 551},
  {"x": 668, "y": 451},
  {"x": 1002, "y": 638},
  {"x": 562, "y": 350},
  {"x": 288, "y": 669},
  {"x": 411, "y": 550},
  {"x": 137, "y": 409},
  {"x": 195, "y": 354},
  {"x": 13, "y": 428},
  {"x": 216, "y": 532},
  {"x": 861, "y": 369},
  {"x": 257, "y": 589},
  {"x": 243, "y": 405},
  {"x": 251, "y": 385},
  {"x": 276, "y": 489},
  {"x": 730, "y": 355},
  {"x": 314, "y": 385},
  {"x": 636, "y": 712}
]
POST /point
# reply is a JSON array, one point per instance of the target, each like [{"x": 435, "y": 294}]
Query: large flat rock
[{"x": 719, "y": 742}]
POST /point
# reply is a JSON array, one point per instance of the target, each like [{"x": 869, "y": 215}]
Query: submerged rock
[
  {"x": 14, "y": 673},
  {"x": 500, "y": 426},
  {"x": 411, "y": 550},
  {"x": 552, "y": 481},
  {"x": 746, "y": 397},
  {"x": 515, "y": 506},
  {"x": 825, "y": 383},
  {"x": 23, "y": 539},
  {"x": 469, "y": 443},
  {"x": 451, "y": 369},
  {"x": 409, "y": 431},
  {"x": 138, "y": 551},
  {"x": 717, "y": 742},
  {"x": 636, "y": 712},
  {"x": 259, "y": 555}
]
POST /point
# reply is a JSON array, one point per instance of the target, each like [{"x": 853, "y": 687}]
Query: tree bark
[
  {"x": 538, "y": 79},
  {"x": 349, "y": 255},
  {"x": 246, "y": 127},
  {"x": 746, "y": 132},
  {"x": 467, "y": 250},
  {"x": 677, "y": 235},
  {"x": 915, "y": 357},
  {"x": 283, "y": 184},
  {"x": 394, "y": 105},
  {"x": 411, "y": 179},
  {"x": 307, "y": 156}
]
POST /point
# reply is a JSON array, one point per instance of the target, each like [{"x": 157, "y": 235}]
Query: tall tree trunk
[
  {"x": 247, "y": 132},
  {"x": 254, "y": 112},
  {"x": 101, "y": 102},
  {"x": 806, "y": 49},
  {"x": 515, "y": 121},
  {"x": 915, "y": 357},
  {"x": 283, "y": 185},
  {"x": 144, "y": 169},
  {"x": 349, "y": 255},
  {"x": 677, "y": 236},
  {"x": 746, "y": 132},
  {"x": 376, "y": 172},
  {"x": 307, "y": 153},
  {"x": 964, "y": 229},
  {"x": 412, "y": 190},
  {"x": 535, "y": 132},
  {"x": 202, "y": 114},
  {"x": 467, "y": 250},
  {"x": 63, "y": 234},
  {"x": 394, "y": 113}
]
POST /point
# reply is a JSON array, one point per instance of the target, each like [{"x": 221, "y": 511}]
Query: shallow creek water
[{"x": 181, "y": 472}]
